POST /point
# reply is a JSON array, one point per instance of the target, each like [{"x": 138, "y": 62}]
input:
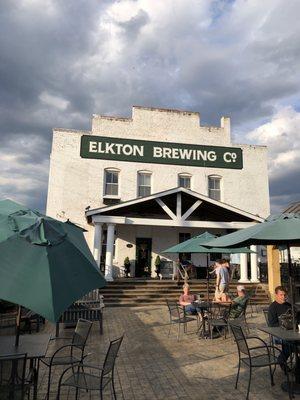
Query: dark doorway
[{"x": 143, "y": 257}]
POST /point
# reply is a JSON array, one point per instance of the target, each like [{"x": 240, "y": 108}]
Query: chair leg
[
  {"x": 170, "y": 325},
  {"x": 290, "y": 386},
  {"x": 58, "y": 392},
  {"x": 113, "y": 387},
  {"x": 238, "y": 375},
  {"x": 250, "y": 376},
  {"x": 271, "y": 375},
  {"x": 178, "y": 333},
  {"x": 48, "y": 387}
]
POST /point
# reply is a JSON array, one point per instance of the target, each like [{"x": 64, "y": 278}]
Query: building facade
[{"x": 140, "y": 185}]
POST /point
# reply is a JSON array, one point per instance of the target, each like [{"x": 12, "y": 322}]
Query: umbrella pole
[
  {"x": 291, "y": 283},
  {"x": 18, "y": 326},
  {"x": 207, "y": 277}
]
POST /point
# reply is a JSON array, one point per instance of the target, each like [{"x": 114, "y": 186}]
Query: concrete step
[{"x": 137, "y": 292}]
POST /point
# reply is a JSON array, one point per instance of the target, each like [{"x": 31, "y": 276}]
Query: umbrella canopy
[
  {"x": 191, "y": 244},
  {"x": 277, "y": 230},
  {"x": 45, "y": 264},
  {"x": 197, "y": 244},
  {"x": 280, "y": 230}
]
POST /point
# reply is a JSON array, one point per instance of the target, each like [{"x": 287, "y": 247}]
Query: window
[
  {"x": 183, "y": 236},
  {"x": 184, "y": 180},
  {"x": 144, "y": 184},
  {"x": 214, "y": 187},
  {"x": 111, "y": 183},
  {"x": 215, "y": 256}
]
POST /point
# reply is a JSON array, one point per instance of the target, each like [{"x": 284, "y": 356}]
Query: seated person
[
  {"x": 239, "y": 302},
  {"x": 186, "y": 300},
  {"x": 277, "y": 308}
]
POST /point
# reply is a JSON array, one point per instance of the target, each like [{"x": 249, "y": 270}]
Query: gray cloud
[{"x": 61, "y": 61}]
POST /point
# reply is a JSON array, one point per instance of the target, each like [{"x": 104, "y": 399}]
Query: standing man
[{"x": 222, "y": 282}]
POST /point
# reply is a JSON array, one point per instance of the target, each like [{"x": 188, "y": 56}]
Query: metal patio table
[
  {"x": 212, "y": 309},
  {"x": 35, "y": 346},
  {"x": 293, "y": 338}
]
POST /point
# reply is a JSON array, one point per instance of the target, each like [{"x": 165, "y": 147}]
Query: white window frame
[
  {"x": 143, "y": 172},
  {"x": 184, "y": 175},
  {"x": 111, "y": 196},
  {"x": 220, "y": 179}
]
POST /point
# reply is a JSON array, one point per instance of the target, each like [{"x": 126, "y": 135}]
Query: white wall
[
  {"x": 75, "y": 183},
  {"x": 162, "y": 238}
]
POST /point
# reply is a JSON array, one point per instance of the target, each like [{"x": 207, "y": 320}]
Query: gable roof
[{"x": 150, "y": 205}]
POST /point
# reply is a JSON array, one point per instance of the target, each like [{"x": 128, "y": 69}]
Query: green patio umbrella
[
  {"x": 197, "y": 245},
  {"x": 45, "y": 264},
  {"x": 191, "y": 244},
  {"x": 279, "y": 230}
]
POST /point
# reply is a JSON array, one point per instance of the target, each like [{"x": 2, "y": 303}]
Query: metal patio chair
[
  {"x": 97, "y": 379},
  {"x": 12, "y": 377},
  {"x": 252, "y": 297},
  {"x": 178, "y": 317},
  {"x": 241, "y": 319},
  {"x": 71, "y": 353},
  {"x": 219, "y": 320},
  {"x": 260, "y": 356}
]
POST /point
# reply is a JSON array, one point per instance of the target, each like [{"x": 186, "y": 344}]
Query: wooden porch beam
[
  {"x": 166, "y": 209},
  {"x": 191, "y": 210}
]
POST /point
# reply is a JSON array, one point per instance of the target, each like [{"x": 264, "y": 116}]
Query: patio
[{"x": 152, "y": 365}]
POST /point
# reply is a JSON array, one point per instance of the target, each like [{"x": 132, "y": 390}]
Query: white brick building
[{"x": 152, "y": 180}]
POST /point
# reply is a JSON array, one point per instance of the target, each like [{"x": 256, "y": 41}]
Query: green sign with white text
[{"x": 108, "y": 148}]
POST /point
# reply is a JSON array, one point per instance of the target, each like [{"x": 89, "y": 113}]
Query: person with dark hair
[{"x": 277, "y": 308}]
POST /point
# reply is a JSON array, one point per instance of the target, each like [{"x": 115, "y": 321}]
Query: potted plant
[
  {"x": 127, "y": 266},
  {"x": 157, "y": 264}
]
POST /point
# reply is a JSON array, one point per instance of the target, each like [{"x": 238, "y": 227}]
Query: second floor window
[
  {"x": 144, "y": 184},
  {"x": 184, "y": 180},
  {"x": 111, "y": 183},
  {"x": 214, "y": 187}
]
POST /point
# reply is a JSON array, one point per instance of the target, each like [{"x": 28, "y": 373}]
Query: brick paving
[{"x": 152, "y": 365}]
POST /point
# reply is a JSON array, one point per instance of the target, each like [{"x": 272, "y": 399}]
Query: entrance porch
[{"x": 142, "y": 228}]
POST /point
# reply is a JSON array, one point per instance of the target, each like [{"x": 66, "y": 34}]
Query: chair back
[
  {"x": 266, "y": 311},
  {"x": 174, "y": 310},
  {"x": 81, "y": 333},
  {"x": 12, "y": 376},
  {"x": 111, "y": 355},
  {"x": 221, "y": 311},
  {"x": 244, "y": 309},
  {"x": 240, "y": 339}
]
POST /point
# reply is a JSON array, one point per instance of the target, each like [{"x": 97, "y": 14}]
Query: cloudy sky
[{"x": 62, "y": 61}]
